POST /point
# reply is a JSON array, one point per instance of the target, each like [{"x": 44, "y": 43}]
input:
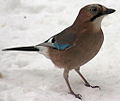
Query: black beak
[{"x": 109, "y": 11}]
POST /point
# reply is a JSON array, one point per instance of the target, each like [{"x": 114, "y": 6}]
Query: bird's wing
[{"x": 61, "y": 41}]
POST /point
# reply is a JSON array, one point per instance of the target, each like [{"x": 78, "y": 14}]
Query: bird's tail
[{"x": 27, "y": 48}]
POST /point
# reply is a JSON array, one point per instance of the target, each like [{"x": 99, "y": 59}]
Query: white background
[{"x": 32, "y": 77}]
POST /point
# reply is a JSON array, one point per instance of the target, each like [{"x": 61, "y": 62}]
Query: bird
[{"x": 76, "y": 45}]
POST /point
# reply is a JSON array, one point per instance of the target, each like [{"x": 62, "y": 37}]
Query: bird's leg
[
  {"x": 65, "y": 74},
  {"x": 87, "y": 84}
]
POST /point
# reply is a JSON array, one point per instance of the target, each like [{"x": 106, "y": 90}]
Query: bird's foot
[
  {"x": 88, "y": 85},
  {"x": 76, "y": 95}
]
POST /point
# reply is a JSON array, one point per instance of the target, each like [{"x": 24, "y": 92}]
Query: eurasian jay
[{"x": 76, "y": 45}]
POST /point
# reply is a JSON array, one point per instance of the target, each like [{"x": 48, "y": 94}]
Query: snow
[{"x": 31, "y": 76}]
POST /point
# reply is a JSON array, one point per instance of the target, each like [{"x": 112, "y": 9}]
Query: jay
[{"x": 76, "y": 45}]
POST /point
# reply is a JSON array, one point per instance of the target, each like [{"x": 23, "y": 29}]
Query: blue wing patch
[{"x": 61, "y": 46}]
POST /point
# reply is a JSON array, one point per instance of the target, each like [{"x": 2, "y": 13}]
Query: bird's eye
[{"x": 93, "y": 9}]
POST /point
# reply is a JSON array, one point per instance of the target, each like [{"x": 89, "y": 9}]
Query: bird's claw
[
  {"x": 76, "y": 95},
  {"x": 88, "y": 85}
]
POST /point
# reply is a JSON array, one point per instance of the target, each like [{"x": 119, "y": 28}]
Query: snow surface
[{"x": 32, "y": 77}]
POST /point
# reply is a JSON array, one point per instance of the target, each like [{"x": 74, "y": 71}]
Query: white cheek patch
[
  {"x": 97, "y": 22},
  {"x": 43, "y": 50}
]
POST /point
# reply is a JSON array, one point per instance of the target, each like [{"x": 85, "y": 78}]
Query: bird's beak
[{"x": 108, "y": 11}]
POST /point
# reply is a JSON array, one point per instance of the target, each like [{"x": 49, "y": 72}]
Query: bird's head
[{"x": 93, "y": 13}]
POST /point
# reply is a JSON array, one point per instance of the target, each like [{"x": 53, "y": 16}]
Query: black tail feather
[{"x": 28, "y": 48}]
